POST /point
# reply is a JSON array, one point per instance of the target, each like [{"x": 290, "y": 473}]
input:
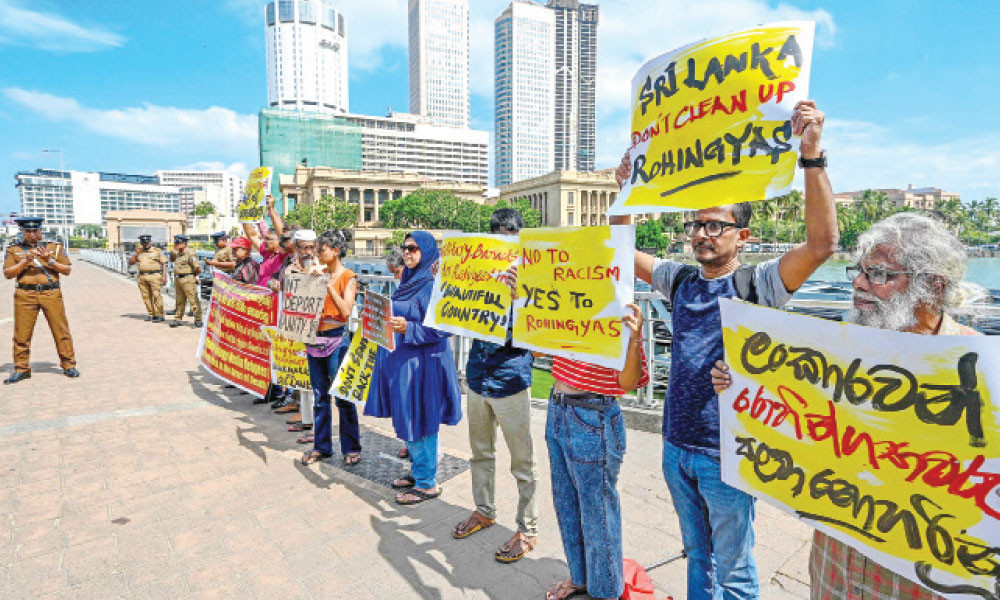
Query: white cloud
[
  {"x": 212, "y": 131},
  {"x": 21, "y": 26}
]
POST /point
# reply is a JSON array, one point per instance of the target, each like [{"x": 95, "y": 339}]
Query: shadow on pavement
[{"x": 36, "y": 368}]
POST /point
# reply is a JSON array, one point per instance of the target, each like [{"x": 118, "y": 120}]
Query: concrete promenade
[{"x": 145, "y": 478}]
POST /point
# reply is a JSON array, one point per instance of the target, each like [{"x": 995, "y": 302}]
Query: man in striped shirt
[{"x": 716, "y": 519}]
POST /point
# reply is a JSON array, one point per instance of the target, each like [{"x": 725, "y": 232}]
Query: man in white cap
[{"x": 305, "y": 252}]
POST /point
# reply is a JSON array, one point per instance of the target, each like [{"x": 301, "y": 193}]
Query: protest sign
[
  {"x": 252, "y": 207},
  {"x": 471, "y": 296},
  {"x": 573, "y": 286},
  {"x": 354, "y": 377},
  {"x": 710, "y": 121},
  {"x": 302, "y": 304},
  {"x": 232, "y": 346},
  {"x": 375, "y": 315},
  {"x": 289, "y": 366},
  {"x": 887, "y": 441}
]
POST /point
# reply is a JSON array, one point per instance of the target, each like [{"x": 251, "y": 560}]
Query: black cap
[
  {"x": 29, "y": 222},
  {"x": 145, "y": 238},
  {"x": 218, "y": 234},
  {"x": 181, "y": 239}
]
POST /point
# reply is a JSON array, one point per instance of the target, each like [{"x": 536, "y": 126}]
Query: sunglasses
[
  {"x": 411, "y": 248},
  {"x": 712, "y": 228}
]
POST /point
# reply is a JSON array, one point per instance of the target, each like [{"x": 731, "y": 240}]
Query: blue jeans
[
  {"x": 586, "y": 448},
  {"x": 424, "y": 454},
  {"x": 322, "y": 371},
  {"x": 716, "y": 525}
]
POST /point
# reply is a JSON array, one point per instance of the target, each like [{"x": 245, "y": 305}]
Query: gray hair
[
  {"x": 925, "y": 246},
  {"x": 394, "y": 259}
]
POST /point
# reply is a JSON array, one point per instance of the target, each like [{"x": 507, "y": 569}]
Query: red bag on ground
[{"x": 638, "y": 585}]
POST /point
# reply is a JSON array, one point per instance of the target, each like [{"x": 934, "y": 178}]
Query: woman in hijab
[{"x": 416, "y": 384}]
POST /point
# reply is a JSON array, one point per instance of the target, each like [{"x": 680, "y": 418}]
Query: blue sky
[{"x": 909, "y": 86}]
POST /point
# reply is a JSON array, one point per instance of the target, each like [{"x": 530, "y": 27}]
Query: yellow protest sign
[
  {"x": 710, "y": 121},
  {"x": 354, "y": 377},
  {"x": 289, "y": 366},
  {"x": 887, "y": 441},
  {"x": 471, "y": 296},
  {"x": 573, "y": 285},
  {"x": 251, "y": 208}
]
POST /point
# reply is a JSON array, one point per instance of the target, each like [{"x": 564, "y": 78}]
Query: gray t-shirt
[{"x": 770, "y": 288}]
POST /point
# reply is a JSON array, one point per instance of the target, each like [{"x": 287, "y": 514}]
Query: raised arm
[
  {"x": 643, "y": 261},
  {"x": 822, "y": 236},
  {"x": 253, "y": 234},
  {"x": 279, "y": 225}
]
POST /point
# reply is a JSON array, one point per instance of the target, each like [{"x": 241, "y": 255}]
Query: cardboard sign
[
  {"x": 302, "y": 305},
  {"x": 573, "y": 287},
  {"x": 252, "y": 206},
  {"x": 354, "y": 377},
  {"x": 471, "y": 296},
  {"x": 289, "y": 366},
  {"x": 887, "y": 441},
  {"x": 375, "y": 315},
  {"x": 232, "y": 346},
  {"x": 711, "y": 121}
]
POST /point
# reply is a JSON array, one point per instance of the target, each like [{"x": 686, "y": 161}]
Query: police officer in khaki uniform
[
  {"x": 186, "y": 270},
  {"x": 224, "y": 259},
  {"x": 37, "y": 265},
  {"x": 152, "y": 274}
]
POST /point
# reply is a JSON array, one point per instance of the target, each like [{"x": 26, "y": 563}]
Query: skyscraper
[
  {"x": 306, "y": 56},
  {"x": 524, "y": 82},
  {"x": 439, "y": 60},
  {"x": 576, "y": 74}
]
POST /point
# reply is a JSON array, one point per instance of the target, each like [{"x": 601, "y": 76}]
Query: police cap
[
  {"x": 181, "y": 239},
  {"x": 29, "y": 222},
  {"x": 145, "y": 238},
  {"x": 217, "y": 235}
]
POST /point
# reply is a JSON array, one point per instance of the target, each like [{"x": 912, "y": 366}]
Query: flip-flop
[
  {"x": 305, "y": 439},
  {"x": 562, "y": 587},
  {"x": 409, "y": 482},
  {"x": 481, "y": 523},
  {"x": 312, "y": 457},
  {"x": 421, "y": 496},
  {"x": 351, "y": 459},
  {"x": 300, "y": 427}
]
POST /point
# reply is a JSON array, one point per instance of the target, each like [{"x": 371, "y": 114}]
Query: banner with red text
[
  {"x": 887, "y": 441},
  {"x": 711, "y": 120},
  {"x": 471, "y": 296},
  {"x": 232, "y": 346},
  {"x": 573, "y": 285}
]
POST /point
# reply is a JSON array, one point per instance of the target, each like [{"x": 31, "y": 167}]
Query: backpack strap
[
  {"x": 683, "y": 274},
  {"x": 744, "y": 281}
]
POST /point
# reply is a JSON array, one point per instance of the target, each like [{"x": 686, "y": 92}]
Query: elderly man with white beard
[{"x": 909, "y": 276}]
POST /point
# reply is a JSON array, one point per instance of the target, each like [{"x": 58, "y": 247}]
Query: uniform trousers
[
  {"x": 149, "y": 287},
  {"x": 186, "y": 291},
  {"x": 27, "y": 303}
]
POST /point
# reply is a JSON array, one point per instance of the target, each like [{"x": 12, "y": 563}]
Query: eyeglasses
[
  {"x": 874, "y": 273},
  {"x": 712, "y": 228},
  {"x": 411, "y": 248}
]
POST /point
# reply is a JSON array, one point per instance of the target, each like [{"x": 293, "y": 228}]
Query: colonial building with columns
[
  {"x": 569, "y": 198},
  {"x": 368, "y": 189}
]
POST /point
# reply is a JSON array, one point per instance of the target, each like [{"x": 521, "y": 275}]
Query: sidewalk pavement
[{"x": 145, "y": 478}]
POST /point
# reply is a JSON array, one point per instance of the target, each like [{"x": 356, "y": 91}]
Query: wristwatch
[
  {"x": 807, "y": 163},
  {"x": 51, "y": 262}
]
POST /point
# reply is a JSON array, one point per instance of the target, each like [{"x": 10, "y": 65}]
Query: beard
[{"x": 898, "y": 312}]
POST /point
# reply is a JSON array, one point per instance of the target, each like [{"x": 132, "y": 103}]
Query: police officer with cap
[
  {"x": 186, "y": 270},
  {"x": 224, "y": 260},
  {"x": 37, "y": 266},
  {"x": 152, "y": 274}
]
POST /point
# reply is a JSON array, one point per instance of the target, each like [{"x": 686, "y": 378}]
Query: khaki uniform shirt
[
  {"x": 151, "y": 260},
  {"x": 186, "y": 262},
  {"x": 33, "y": 274},
  {"x": 225, "y": 255}
]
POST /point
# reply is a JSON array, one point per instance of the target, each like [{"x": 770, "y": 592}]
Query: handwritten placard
[
  {"x": 289, "y": 366},
  {"x": 252, "y": 206},
  {"x": 471, "y": 296},
  {"x": 375, "y": 315},
  {"x": 302, "y": 303},
  {"x": 887, "y": 441},
  {"x": 711, "y": 121},
  {"x": 573, "y": 286},
  {"x": 354, "y": 377}
]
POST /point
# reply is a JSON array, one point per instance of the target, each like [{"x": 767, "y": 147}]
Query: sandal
[
  {"x": 404, "y": 452},
  {"x": 564, "y": 589},
  {"x": 309, "y": 458},
  {"x": 305, "y": 439},
  {"x": 352, "y": 459},
  {"x": 515, "y": 549},
  {"x": 475, "y": 522},
  {"x": 300, "y": 427},
  {"x": 406, "y": 481},
  {"x": 419, "y": 496}
]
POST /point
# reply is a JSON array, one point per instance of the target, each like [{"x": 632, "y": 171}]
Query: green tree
[
  {"x": 649, "y": 234},
  {"x": 328, "y": 213},
  {"x": 203, "y": 209},
  {"x": 532, "y": 217}
]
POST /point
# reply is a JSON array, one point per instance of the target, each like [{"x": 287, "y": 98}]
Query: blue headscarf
[{"x": 415, "y": 280}]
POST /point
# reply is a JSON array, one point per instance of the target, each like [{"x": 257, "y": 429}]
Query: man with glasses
[
  {"x": 716, "y": 519},
  {"x": 908, "y": 277}
]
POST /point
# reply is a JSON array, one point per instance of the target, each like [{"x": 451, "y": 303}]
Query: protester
[
  {"x": 223, "y": 258},
  {"x": 499, "y": 379},
  {"x": 416, "y": 384},
  {"x": 908, "y": 277},
  {"x": 304, "y": 253},
  {"x": 717, "y": 520},
  {"x": 332, "y": 342},
  {"x": 394, "y": 261},
  {"x": 267, "y": 243},
  {"x": 247, "y": 269},
  {"x": 585, "y": 434}
]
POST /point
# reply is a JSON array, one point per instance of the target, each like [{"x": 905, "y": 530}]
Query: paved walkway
[{"x": 147, "y": 479}]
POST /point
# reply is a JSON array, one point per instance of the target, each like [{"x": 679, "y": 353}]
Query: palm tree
[{"x": 793, "y": 212}]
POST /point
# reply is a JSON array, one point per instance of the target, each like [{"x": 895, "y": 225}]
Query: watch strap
[{"x": 819, "y": 162}]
